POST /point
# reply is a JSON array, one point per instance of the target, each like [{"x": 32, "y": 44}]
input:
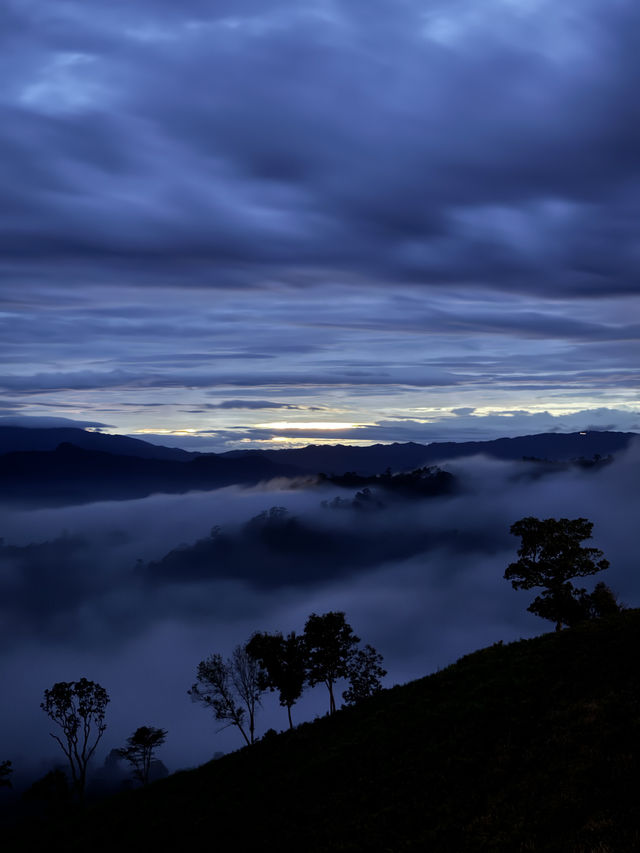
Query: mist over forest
[{"x": 133, "y": 594}]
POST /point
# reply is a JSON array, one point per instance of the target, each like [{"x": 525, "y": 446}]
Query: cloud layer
[
  {"x": 361, "y": 206},
  {"x": 399, "y": 143}
]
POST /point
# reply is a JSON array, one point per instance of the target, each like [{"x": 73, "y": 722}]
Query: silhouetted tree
[
  {"x": 602, "y": 603},
  {"x": 232, "y": 690},
  {"x": 282, "y": 663},
  {"x": 5, "y": 771},
  {"x": 550, "y": 555},
  {"x": 139, "y": 750},
  {"x": 329, "y": 642},
  {"x": 365, "y": 672},
  {"x": 78, "y": 707}
]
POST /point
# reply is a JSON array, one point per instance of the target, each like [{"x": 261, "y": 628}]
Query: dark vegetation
[
  {"x": 283, "y": 665},
  {"x": 231, "y": 690},
  {"x": 276, "y": 548},
  {"x": 326, "y": 652},
  {"x": 140, "y": 750},
  {"x": 421, "y": 483},
  {"x": 77, "y": 708},
  {"x": 531, "y": 746},
  {"x": 551, "y": 556}
]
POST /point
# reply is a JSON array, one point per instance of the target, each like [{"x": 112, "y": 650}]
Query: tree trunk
[
  {"x": 332, "y": 701},
  {"x": 289, "y": 715}
]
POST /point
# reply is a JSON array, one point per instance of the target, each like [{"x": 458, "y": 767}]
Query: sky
[{"x": 251, "y": 224}]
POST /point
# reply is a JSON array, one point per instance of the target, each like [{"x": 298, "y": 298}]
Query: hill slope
[{"x": 527, "y": 747}]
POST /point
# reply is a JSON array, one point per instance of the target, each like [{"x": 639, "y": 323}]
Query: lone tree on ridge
[{"x": 550, "y": 556}]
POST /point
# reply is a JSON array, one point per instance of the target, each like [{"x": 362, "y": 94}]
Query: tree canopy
[
  {"x": 78, "y": 708},
  {"x": 283, "y": 665},
  {"x": 329, "y": 641},
  {"x": 140, "y": 748},
  {"x": 550, "y": 556},
  {"x": 365, "y": 675}
]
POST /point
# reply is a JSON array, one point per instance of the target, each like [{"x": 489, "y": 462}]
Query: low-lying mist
[{"x": 134, "y": 594}]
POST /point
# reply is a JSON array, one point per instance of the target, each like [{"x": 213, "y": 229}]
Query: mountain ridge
[
  {"x": 411, "y": 455},
  {"x": 25, "y": 439},
  {"x": 120, "y": 468}
]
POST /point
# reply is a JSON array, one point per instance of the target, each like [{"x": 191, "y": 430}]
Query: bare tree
[{"x": 232, "y": 690}]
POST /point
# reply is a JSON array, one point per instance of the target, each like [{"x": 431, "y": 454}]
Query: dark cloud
[
  {"x": 86, "y": 379},
  {"x": 461, "y": 425},
  {"x": 46, "y": 422},
  {"x": 256, "y": 404},
  {"x": 413, "y": 144},
  {"x": 325, "y": 199}
]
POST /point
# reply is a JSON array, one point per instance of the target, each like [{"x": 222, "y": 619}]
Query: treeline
[
  {"x": 429, "y": 481},
  {"x": 328, "y": 650}
]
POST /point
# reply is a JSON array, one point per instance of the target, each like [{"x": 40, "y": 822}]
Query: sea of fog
[{"x": 75, "y": 601}]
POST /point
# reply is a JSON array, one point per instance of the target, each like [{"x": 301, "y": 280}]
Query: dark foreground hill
[{"x": 527, "y": 747}]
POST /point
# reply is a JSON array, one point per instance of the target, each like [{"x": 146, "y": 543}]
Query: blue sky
[{"x": 252, "y": 223}]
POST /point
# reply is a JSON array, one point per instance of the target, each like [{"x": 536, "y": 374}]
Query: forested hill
[{"x": 531, "y": 746}]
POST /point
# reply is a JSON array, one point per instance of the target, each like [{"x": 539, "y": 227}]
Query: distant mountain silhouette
[
  {"x": 71, "y": 474},
  {"x": 27, "y": 438},
  {"x": 339, "y": 458},
  {"x": 95, "y": 466}
]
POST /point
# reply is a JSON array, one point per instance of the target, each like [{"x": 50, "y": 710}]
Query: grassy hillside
[{"x": 531, "y": 746}]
